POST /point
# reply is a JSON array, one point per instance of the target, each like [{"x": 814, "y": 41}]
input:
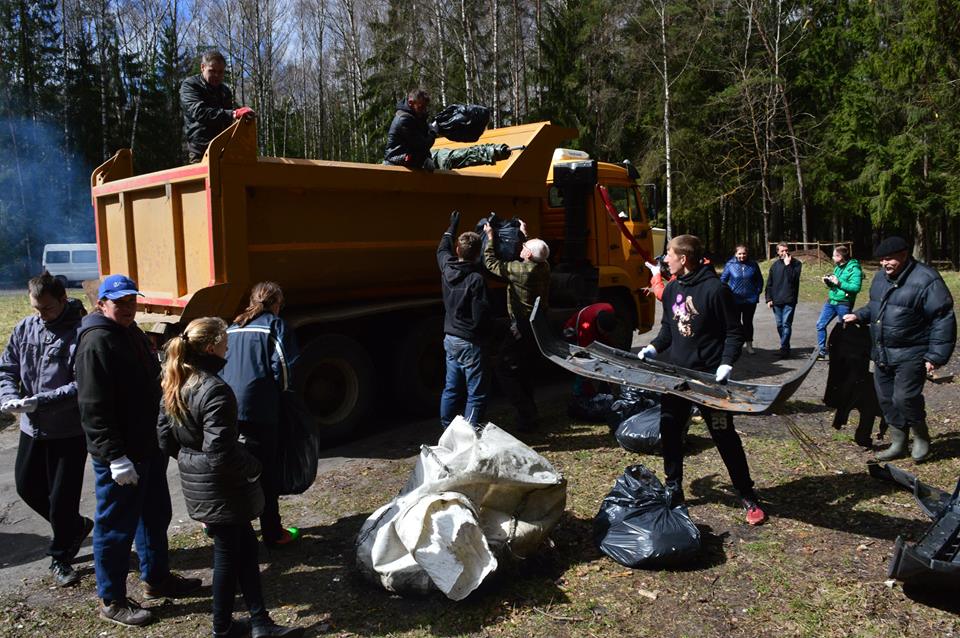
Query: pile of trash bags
[
  {"x": 634, "y": 419},
  {"x": 476, "y": 495},
  {"x": 638, "y": 526}
]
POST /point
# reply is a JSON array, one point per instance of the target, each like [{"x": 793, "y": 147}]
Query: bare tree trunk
[
  {"x": 666, "y": 119},
  {"x": 496, "y": 63},
  {"x": 539, "y": 73},
  {"x": 464, "y": 46},
  {"x": 438, "y": 15}
]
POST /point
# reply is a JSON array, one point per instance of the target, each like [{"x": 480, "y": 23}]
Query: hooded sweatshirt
[
  {"x": 700, "y": 329},
  {"x": 464, "y": 294}
]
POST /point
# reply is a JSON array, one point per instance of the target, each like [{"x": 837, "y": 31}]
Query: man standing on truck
[
  {"x": 207, "y": 105},
  {"x": 464, "y": 325},
  {"x": 37, "y": 383},
  {"x": 527, "y": 279},
  {"x": 118, "y": 389},
  {"x": 700, "y": 330},
  {"x": 410, "y": 136}
]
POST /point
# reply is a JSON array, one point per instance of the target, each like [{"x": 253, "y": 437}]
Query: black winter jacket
[
  {"x": 700, "y": 328},
  {"x": 219, "y": 476},
  {"x": 783, "y": 283},
  {"x": 38, "y": 361},
  {"x": 207, "y": 112},
  {"x": 910, "y": 317},
  {"x": 464, "y": 294},
  {"x": 410, "y": 136},
  {"x": 118, "y": 389}
]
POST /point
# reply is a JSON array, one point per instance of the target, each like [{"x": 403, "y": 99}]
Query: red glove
[{"x": 243, "y": 111}]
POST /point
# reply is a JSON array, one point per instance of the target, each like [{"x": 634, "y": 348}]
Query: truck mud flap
[
  {"x": 934, "y": 560},
  {"x": 601, "y": 362}
]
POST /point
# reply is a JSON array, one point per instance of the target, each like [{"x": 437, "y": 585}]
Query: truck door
[{"x": 628, "y": 206}]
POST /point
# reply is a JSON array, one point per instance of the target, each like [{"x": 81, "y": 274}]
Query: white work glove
[
  {"x": 652, "y": 267},
  {"x": 16, "y": 406},
  {"x": 647, "y": 352},
  {"x": 723, "y": 372},
  {"x": 123, "y": 472}
]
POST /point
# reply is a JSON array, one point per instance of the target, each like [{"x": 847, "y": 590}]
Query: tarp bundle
[
  {"x": 462, "y": 122},
  {"x": 299, "y": 446},
  {"x": 637, "y": 527},
  {"x": 477, "y": 155},
  {"x": 471, "y": 497}
]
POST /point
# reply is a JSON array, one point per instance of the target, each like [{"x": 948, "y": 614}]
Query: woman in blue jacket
[
  {"x": 259, "y": 361},
  {"x": 743, "y": 276}
]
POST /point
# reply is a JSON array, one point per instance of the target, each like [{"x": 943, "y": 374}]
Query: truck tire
[
  {"x": 419, "y": 367},
  {"x": 337, "y": 381}
]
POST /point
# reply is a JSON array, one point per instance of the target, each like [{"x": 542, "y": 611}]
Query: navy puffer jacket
[
  {"x": 38, "y": 361},
  {"x": 910, "y": 317},
  {"x": 744, "y": 279},
  {"x": 218, "y": 474}
]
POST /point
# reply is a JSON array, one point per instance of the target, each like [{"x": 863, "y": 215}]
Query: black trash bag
[
  {"x": 297, "y": 451},
  {"x": 462, "y": 122},
  {"x": 591, "y": 410},
  {"x": 631, "y": 401},
  {"x": 641, "y": 432},
  {"x": 507, "y": 237},
  {"x": 637, "y": 527}
]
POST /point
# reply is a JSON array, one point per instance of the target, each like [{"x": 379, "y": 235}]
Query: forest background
[{"x": 749, "y": 121}]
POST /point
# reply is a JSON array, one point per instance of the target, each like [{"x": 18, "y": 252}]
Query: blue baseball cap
[{"x": 117, "y": 286}]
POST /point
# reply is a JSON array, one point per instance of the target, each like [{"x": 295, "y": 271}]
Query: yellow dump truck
[{"x": 354, "y": 248}]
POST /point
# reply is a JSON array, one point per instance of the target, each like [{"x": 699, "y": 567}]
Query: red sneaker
[
  {"x": 287, "y": 535},
  {"x": 755, "y": 515}
]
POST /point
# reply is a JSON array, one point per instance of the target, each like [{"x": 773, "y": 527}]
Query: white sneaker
[{"x": 748, "y": 347}]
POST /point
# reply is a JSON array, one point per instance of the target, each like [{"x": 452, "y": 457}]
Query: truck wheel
[
  {"x": 627, "y": 315},
  {"x": 336, "y": 379},
  {"x": 419, "y": 368}
]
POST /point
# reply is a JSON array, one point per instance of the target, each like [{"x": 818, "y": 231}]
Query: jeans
[
  {"x": 900, "y": 393},
  {"x": 783, "y": 314},
  {"x": 745, "y": 312},
  {"x": 129, "y": 514},
  {"x": 674, "y": 414},
  {"x": 260, "y": 439},
  {"x": 235, "y": 561},
  {"x": 465, "y": 391},
  {"x": 827, "y": 315},
  {"x": 49, "y": 477}
]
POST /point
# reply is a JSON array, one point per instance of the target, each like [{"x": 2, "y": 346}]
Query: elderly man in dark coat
[{"x": 913, "y": 330}]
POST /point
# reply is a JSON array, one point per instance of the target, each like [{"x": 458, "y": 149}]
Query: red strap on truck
[{"x": 612, "y": 211}]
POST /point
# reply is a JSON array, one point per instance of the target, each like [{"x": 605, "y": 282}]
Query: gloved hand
[
  {"x": 653, "y": 267},
  {"x": 242, "y": 112},
  {"x": 454, "y": 222},
  {"x": 647, "y": 352},
  {"x": 434, "y": 128},
  {"x": 18, "y": 406},
  {"x": 123, "y": 472},
  {"x": 723, "y": 372}
]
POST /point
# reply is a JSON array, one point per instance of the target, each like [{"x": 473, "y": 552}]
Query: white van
[{"x": 71, "y": 263}]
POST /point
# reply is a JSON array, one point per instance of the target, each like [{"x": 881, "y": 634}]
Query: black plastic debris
[
  {"x": 462, "y": 122},
  {"x": 637, "y": 527},
  {"x": 934, "y": 560},
  {"x": 640, "y": 433},
  {"x": 298, "y": 450},
  {"x": 507, "y": 237},
  {"x": 850, "y": 382},
  {"x": 590, "y": 410}
]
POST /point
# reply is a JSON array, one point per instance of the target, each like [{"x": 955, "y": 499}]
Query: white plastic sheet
[{"x": 470, "y": 498}]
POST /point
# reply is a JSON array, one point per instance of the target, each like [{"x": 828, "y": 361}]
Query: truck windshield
[{"x": 625, "y": 199}]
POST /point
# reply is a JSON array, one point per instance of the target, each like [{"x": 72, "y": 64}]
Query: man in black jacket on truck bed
[
  {"x": 410, "y": 136},
  {"x": 118, "y": 391},
  {"x": 700, "y": 330},
  {"x": 913, "y": 330},
  {"x": 207, "y": 105},
  {"x": 464, "y": 325}
]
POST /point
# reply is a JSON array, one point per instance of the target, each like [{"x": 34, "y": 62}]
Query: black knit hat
[{"x": 889, "y": 246}]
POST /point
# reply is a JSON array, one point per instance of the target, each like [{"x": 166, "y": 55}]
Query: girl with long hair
[{"x": 220, "y": 478}]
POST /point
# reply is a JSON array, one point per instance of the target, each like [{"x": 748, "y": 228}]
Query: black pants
[
  {"x": 674, "y": 413},
  {"x": 49, "y": 478},
  {"x": 261, "y": 440},
  {"x": 746, "y": 312},
  {"x": 235, "y": 561},
  {"x": 900, "y": 393},
  {"x": 515, "y": 373}
]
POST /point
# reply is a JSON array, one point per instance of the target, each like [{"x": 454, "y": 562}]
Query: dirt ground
[{"x": 817, "y": 568}]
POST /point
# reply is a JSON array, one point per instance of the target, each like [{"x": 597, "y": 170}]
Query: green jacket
[
  {"x": 526, "y": 280},
  {"x": 849, "y": 279}
]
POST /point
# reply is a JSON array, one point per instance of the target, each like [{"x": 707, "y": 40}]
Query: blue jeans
[
  {"x": 826, "y": 316},
  {"x": 465, "y": 391},
  {"x": 783, "y": 314},
  {"x": 126, "y": 514}
]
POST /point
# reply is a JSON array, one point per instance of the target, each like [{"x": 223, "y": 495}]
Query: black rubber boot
[
  {"x": 921, "y": 442},
  {"x": 862, "y": 435},
  {"x": 898, "y": 445}
]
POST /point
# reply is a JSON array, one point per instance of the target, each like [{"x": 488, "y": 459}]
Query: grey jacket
[{"x": 38, "y": 361}]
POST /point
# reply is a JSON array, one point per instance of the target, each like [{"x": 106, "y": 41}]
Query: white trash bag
[{"x": 470, "y": 498}]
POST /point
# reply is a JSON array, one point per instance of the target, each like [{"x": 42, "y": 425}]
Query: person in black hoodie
[
  {"x": 410, "y": 136},
  {"x": 118, "y": 391},
  {"x": 700, "y": 330},
  {"x": 782, "y": 293},
  {"x": 37, "y": 383},
  {"x": 220, "y": 477},
  {"x": 464, "y": 325}
]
